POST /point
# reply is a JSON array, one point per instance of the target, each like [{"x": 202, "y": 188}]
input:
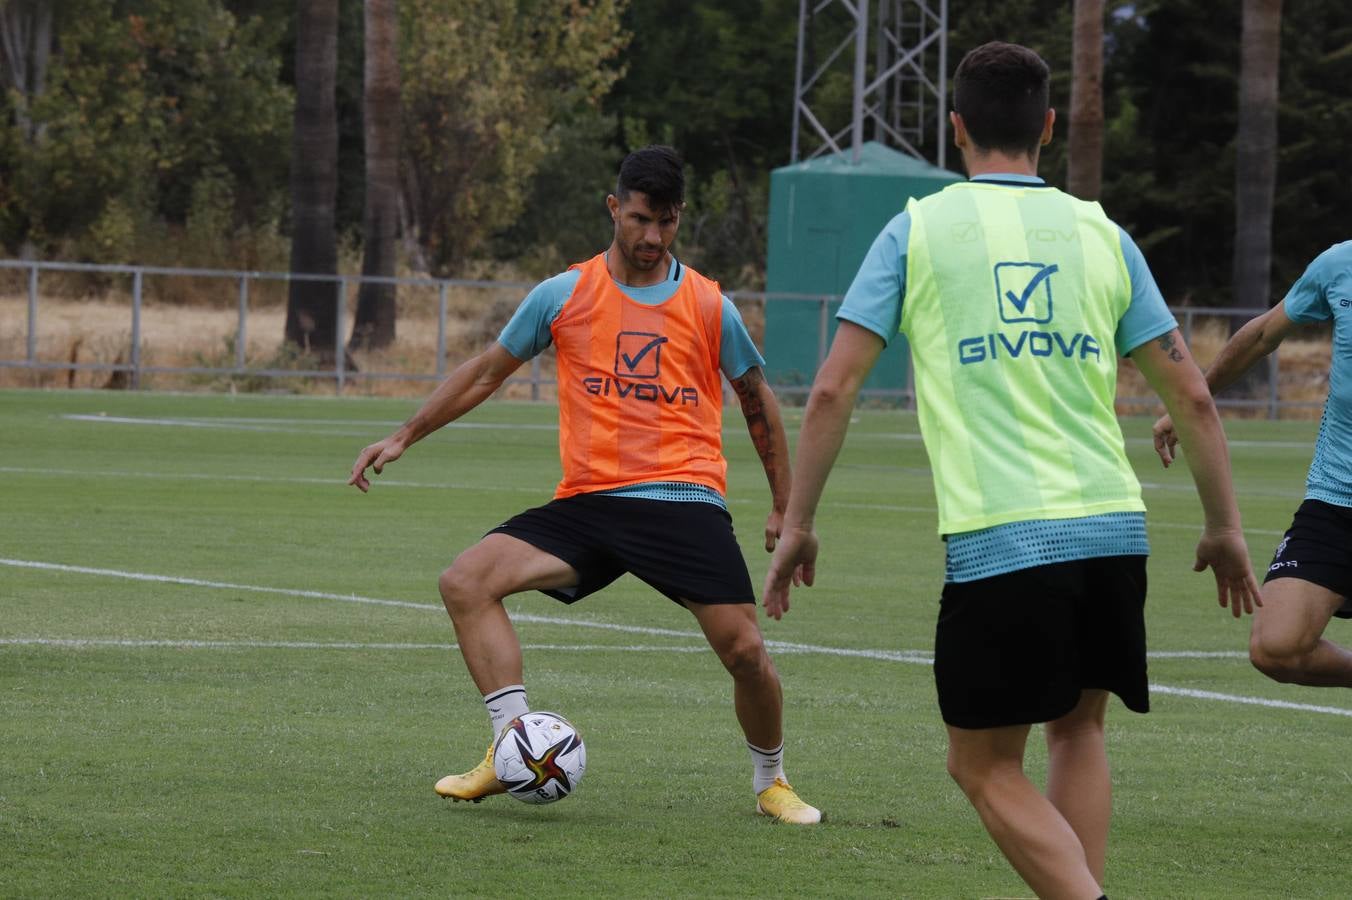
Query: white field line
[
  {"x": 336, "y": 481},
  {"x": 288, "y": 426},
  {"x": 1251, "y": 701},
  {"x": 123, "y": 643},
  {"x": 197, "y": 582},
  {"x": 339, "y": 481},
  {"x": 782, "y": 646},
  {"x": 1198, "y": 654},
  {"x": 224, "y": 421},
  {"x": 919, "y": 657},
  {"x": 242, "y": 423},
  {"x": 517, "y": 616},
  {"x": 80, "y": 643},
  {"x": 228, "y": 426},
  {"x": 916, "y": 656},
  {"x": 406, "y": 604}
]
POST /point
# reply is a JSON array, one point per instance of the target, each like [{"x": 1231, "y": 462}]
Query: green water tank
[{"x": 824, "y": 215}]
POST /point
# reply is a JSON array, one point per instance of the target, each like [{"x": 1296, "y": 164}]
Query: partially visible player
[
  {"x": 640, "y": 340},
  {"x": 1017, "y": 299},
  {"x": 1310, "y": 578}
]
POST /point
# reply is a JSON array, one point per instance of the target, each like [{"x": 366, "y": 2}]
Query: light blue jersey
[
  {"x": 527, "y": 335},
  {"x": 874, "y": 302},
  {"x": 1324, "y": 292}
]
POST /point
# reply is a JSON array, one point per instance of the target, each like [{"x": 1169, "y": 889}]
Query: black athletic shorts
[
  {"x": 1318, "y": 548},
  {"x": 685, "y": 549},
  {"x": 1018, "y": 648}
]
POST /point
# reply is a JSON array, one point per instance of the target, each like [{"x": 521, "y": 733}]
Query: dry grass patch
[
  {"x": 1302, "y": 374},
  {"x": 99, "y": 331}
]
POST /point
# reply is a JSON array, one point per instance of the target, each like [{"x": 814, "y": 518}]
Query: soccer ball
[{"x": 539, "y": 757}]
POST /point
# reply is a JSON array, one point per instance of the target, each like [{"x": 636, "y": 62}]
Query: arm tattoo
[
  {"x": 748, "y": 393},
  {"x": 1170, "y": 346}
]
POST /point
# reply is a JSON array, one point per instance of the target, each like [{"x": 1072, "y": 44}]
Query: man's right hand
[
  {"x": 794, "y": 562},
  {"x": 1226, "y": 554},
  {"x": 1165, "y": 439},
  {"x": 376, "y": 456}
]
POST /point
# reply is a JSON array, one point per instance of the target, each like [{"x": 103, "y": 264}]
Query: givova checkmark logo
[
  {"x": 1024, "y": 291},
  {"x": 638, "y": 354}
]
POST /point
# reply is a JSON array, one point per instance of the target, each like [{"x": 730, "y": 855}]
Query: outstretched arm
[
  {"x": 471, "y": 383},
  {"x": 827, "y": 418},
  {"x": 766, "y": 426},
  {"x": 1170, "y": 370},
  {"x": 1259, "y": 337}
]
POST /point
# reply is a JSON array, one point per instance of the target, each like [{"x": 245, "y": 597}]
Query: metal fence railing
[
  {"x": 134, "y": 365},
  {"x": 439, "y": 319}
]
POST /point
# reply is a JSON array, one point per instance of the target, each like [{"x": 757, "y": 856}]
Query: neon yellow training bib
[{"x": 1013, "y": 296}]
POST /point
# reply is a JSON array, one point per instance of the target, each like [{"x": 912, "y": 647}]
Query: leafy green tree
[
  {"x": 1314, "y": 188},
  {"x": 714, "y": 78},
  {"x": 485, "y": 81},
  {"x": 565, "y": 219},
  {"x": 143, "y": 98},
  {"x": 1173, "y": 113},
  {"x": 25, "y": 49}
]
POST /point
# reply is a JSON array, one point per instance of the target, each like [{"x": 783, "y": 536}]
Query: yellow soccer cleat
[
  {"x": 476, "y": 784},
  {"x": 780, "y": 801}
]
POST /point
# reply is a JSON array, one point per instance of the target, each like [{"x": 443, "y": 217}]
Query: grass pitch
[{"x": 224, "y": 673}]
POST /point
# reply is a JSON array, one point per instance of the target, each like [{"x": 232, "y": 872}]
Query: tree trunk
[
  {"x": 1256, "y": 152},
  {"x": 1084, "y": 177},
  {"x": 26, "y": 45},
  {"x": 373, "y": 326},
  {"x": 311, "y": 310}
]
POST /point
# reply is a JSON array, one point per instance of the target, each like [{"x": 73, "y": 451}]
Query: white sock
[
  {"x": 767, "y": 766},
  {"x": 504, "y": 705}
]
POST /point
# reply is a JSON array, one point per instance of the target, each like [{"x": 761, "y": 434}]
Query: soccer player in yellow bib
[{"x": 1016, "y": 299}]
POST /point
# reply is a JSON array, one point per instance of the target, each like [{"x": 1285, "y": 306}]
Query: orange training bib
[{"x": 640, "y": 393}]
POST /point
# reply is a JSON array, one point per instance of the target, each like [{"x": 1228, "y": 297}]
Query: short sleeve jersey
[
  {"x": 874, "y": 301},
  {"x": 1323, "y": 293},
  {"x": 527, "y": 334}
]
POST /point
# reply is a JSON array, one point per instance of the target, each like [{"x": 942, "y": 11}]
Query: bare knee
[
  {"x": 962, "y": 774},
  {"x": 1083, "y": 726},
  {"x": 1072, "y": 736},
  {"x": 462, "y": 588},
  {"x": 985, "y": 762},
  {"x": 745, "y": 658},
  {"x": 974, "y": 777},
  {"x": 1286, "y": 643},
  {"x": 1278, "y": 661}
]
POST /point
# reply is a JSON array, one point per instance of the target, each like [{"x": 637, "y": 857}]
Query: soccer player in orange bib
[{"x": 640, "y": 342}]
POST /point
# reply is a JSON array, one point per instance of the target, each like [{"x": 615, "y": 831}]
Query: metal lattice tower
[{"x": 899, "y": 97}]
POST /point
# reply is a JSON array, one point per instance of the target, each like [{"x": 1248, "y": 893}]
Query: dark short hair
[
  {"x": 1001, "y": 92},
  {"x": 656, "y": 171}
]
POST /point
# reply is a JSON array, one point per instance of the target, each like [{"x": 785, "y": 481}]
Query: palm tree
[
  {"x": 1256, "y": 153},
  {"x": 25, "y": 49},
  {"x": 373, "y": 326},
  {"x": 1084, "y": 177},
  {"x": 311, "y": 313}
]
